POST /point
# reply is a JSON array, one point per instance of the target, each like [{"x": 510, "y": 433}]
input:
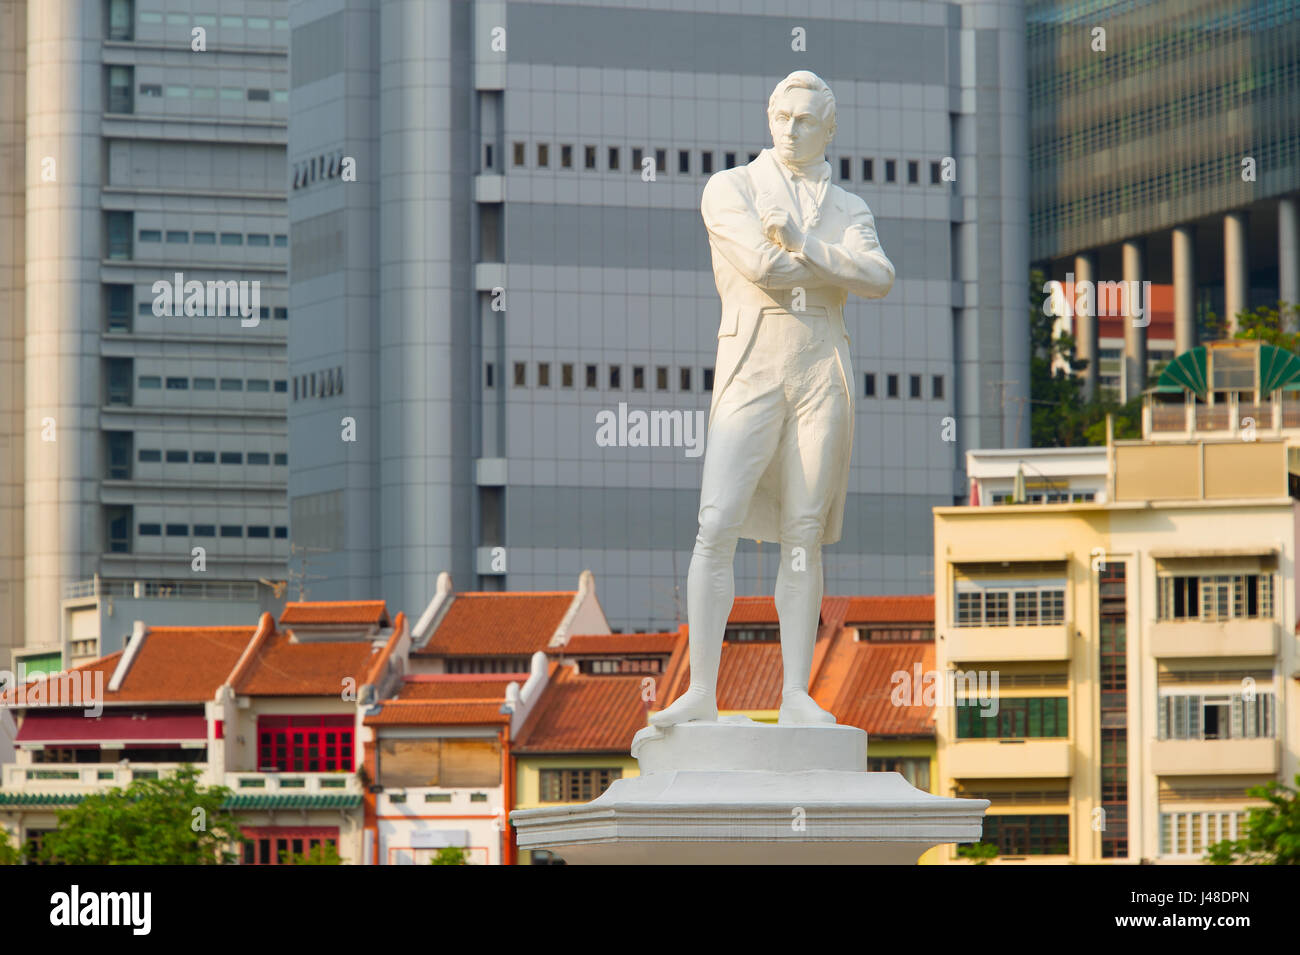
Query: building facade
[
  {"x": 143, "y": 301},
  {"x": 496, "y": 230},
  {"x": 1144, "y": 646},
  {"x": 1165, "y": 148}
]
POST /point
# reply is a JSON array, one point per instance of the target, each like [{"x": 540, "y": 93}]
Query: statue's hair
[{"x": 807, "y": 80}]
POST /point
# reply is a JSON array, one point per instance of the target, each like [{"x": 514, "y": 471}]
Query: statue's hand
[{"x": 781, "y": 230}]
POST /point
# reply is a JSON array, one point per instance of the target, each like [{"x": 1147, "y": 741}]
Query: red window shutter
[{"x": 219, "y": 729}]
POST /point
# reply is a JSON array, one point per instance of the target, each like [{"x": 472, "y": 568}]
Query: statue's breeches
[{"x": 784, "y": 418}]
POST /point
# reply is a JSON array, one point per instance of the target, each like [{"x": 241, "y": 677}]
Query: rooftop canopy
[{"x": 1232, "y": 366}]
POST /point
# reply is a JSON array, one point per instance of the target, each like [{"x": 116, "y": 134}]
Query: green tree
[
  {"x": 1267, "y": 324},
  {"x": 1272, "y": 834},
  {"x": 450, "y": 855},
  {"x": 323, "y": 854},
  {"x": 167, "y": 821},
  {"x": 9, "y": 853},
  {"x": 1061, "y": 417},
  {"x": 980, "y": 852}
]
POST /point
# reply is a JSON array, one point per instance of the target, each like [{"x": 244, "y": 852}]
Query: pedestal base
[{"x": 745, "y": 793}]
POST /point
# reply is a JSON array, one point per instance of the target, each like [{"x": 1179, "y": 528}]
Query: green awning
[
  {"x": 246, "y": 801},
  {"x": 1187, "y": 371},
  {"x": 1277, "y": 368}
]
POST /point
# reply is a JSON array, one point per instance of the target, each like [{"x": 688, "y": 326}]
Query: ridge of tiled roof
[
  {"x": 891, "y": 608},
  {"x": 342, "y": 612},
  {"x": 615, "y": 643},
  {"x": 438, "y": 712}
]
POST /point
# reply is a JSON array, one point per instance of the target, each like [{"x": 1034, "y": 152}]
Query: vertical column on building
[
  {"x": 1236, "y": 270},
  {"x": 65, "y": 79},
  {"x": 1184, "y": 255},
  {"x": 13, "y": 320},
  {"x": 1288, "y": 258},
  {"x": 1113, "y": 648},
  {"x": 1135, "y": 324},
  {"x": 1086, "y": 331}
]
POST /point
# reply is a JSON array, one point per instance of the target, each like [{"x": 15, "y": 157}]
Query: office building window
[
  {"x": 566, "y": 374},
  {"x": 683, "y": 379},
  {"x": 869, "y": 385},
  {"x": 489, "y": 376},
  {"x": 913, "y": 172},
  {"x": 589, "y": 157},
  {"x": 566, "y": 156},
  {"x": 706, "y": 161},
  {"x": 119, "y": 86},
  {"x": 519, "y": 151},
  {"x": 661, "y": 160},
  {"x": 613, "y": 158},
  {"x": 868, "y": 170},
  {"x": 1016, "y": 718},
  {"x": 615, "y": 376},
  {"x": 178, "y": 457},
  {"x": 591, "y": 377},
  {"x": 730, "y": 160},
  {"x": 891, "y": 170},
  {"x": 543, "y": 374},
  {"x": 891, "y": 386},
  {"x": 119, "y": 228},
  {"x": 638, "y": 378},
  {"x": 936, "y": 386},
  {"x": 935, "y": 174},
  {"x": 914, "y": 386},
  {"x": 575, "y": 785},
  {"x": 521, "y": 374},
  {"x": 543, "y": 155},
  {"x": 661, "y": 378},
  {"x": 846, "y": 168},
  {"x": 708, "y": 379},
  {"x": 683, "y": 161}
]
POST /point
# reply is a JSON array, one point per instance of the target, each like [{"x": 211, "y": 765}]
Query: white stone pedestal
[{"x": 744, "y": 793}]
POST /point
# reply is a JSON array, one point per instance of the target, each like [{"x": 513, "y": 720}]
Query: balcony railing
[
  {"x": 293, "y": 782},
  {"x": 162, "y": 589},
  {"x": 80, "y": 777}
]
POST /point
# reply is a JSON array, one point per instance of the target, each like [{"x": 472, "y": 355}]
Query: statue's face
[{"x": 799, "y": 133}]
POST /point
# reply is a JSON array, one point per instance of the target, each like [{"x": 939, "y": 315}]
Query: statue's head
[{"x": 801, "y": 117}]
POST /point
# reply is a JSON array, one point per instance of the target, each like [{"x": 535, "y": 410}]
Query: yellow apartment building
[{"x": 1143, "y": 640}]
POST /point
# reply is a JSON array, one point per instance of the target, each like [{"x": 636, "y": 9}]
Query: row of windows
[
  {"x": 914, "y": 383},
  {"x": 264, "y": 311},
  {"x": 844, "y": 165},
  {"x": 119, "y": 20},
  {"x": 182, "y": 237},
  {"x": 1008, "y": 607},
  {"x": 1048, "y": 497},
  {"x": 1192, "y": 833},
  {"x": 182, "y": 91},
  {"x": 1029, "y": 835},
  {"x": 542, "y": 377},
  {"x": 1216, "y": 597},
  {"x": 575, "y": 785},
  {"x": 330, "y": 384},
  {"x": 174, "y": 456},
  {"x": 328, "y": 167},
  {"x": 255, "y": 531},
  {"x": 1017, "y": 718},
  {"x": 1219, "y": 716},
  {"x": 279, "y": 385}
]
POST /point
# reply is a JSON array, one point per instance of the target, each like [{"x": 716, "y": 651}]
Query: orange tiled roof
[
  {"x": 173, "y": 665},
  {"x": 277, "y": 666},
  {"x": 359, "y": 612},
  {"x": 616, "y": 643},
  {"x": 480, "y": 686},
  {"x": 583, "y": 713},
  {"x": 498, "y": 624},
  {"x": 452, "y": 712},
  {"x": 863, "y": 696},
  {"x": 753, "y": 610},
  {"x": 910, "y": 608}
]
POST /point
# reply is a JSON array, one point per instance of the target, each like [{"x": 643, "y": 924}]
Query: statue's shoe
[
  {"x": 799, "y": 709},
  {"x": 689, "y": 707}
]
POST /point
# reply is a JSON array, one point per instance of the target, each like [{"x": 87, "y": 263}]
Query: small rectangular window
[
  {"x": 706, "y": 161},
  {"x": 708, "y": 379},
  {"x": 521, "y": 374},
  {"x": 259, "y": 384},
  {"x": 935, "y": 177},
  {"x": 519, "y": 154},
  {"x": 281, "y": 386},
  {"x": 914, "y": 386},
  {"x": 178, "y": 530},
  {"x": 259, "y": 239},
  {"x": 615, "y": 376},
  {"x": 205, "y": 530},
  {"x": 149, "y": 456},
  {"x": 637, "y": 158},
  {"x": 891, "y": 386},
  {"x": 281, "y": 533},
  {"x": 638, "y": 378},
  {"x": 232, "y": 384},
  {"x": 259, "y": 96},
  {"x": 566, "y": 156},
  {"x": 259, "y": 458},
  {"x": 846, "y": 168},
  {"x": 232, "y": 238},
  {"x": 205, "y": 457},
  {"x": 591, "y": 377},
  {"x": 150, "y": 235},
  {"x": 869, "y": 385},
  {"x": 281, "y": 242},
  {"x": 543, "y": 374},
  {"x": 259, "y": 531},
  {"x": 936, "y": 386},
  {"x": 613, "y": 158},
  {"x": 178, "y": 236},
  {"x": 205, "y": 238},
  {"x": 684, "y": 379},
  {"x": 661, "y": 378},
  {"x": 281, "y": 459},
  {"x": 543, "y": 155},
  {"x": 178, "y": 457},
  {"x": 205, "y": 384},
  {"x": 178, "y": 384},
  {"x": 232, "y": 530},
  {"x": 150, "y": 381},
  {"x": 281, "y": 313},
  {"x": 661, "y": 160},
  {"x": 891, "y": 170},
  {"x": 731, "y": 160},
  {"x": 913, "y": 172},
  {"x": 232, "y": 457},
  {"x": 150, "y": 530},
  {"x": 683, "y": 161},
  {"x": 589, "y": 157},
  {"x": 489, "y": 375},
  {"x": 566, "y": 375}
]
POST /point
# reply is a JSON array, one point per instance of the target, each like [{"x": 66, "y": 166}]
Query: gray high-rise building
[
  {"x": 496, "y": 240},
  {"x": 141, "y": 142},
  {"x": 1165, "y": 147}
]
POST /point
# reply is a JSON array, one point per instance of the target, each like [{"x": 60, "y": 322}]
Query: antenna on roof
[{"x": 301, "y": 551}]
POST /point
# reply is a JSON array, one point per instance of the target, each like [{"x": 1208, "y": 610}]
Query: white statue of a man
[{"x": 788, "y": 246}]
